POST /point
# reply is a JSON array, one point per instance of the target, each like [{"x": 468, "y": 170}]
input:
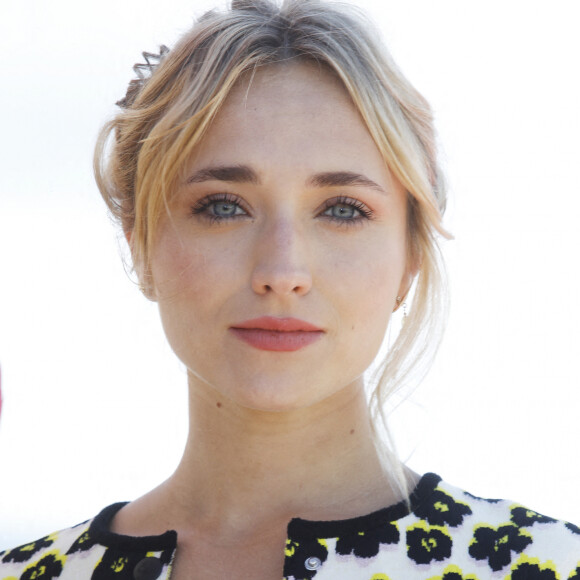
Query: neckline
[
  {"x": 310, "y": 529},
  {"x": 99, "y": 529},
  {"x": 99, "y": 532}
]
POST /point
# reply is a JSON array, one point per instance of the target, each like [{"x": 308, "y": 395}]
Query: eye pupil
[
  {"x": 224, "y": 209},
  {"x": 343, "y": 211}
]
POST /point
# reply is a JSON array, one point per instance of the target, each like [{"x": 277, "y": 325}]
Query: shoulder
[
  {"x": 502, "y": 535},
  {"x": 89, "y": 550},
  {"x": 441, "y": 533},
  {"x": 49, "y": 554}
]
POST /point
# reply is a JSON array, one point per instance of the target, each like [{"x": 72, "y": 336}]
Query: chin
[
  {"x": 277, "y": 396},
  {"x": 273, "y": 400}
]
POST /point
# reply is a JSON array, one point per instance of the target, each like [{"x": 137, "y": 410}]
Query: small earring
[
  {"x": 399, "y": 300},
  {"x": 145, "y": 290}
]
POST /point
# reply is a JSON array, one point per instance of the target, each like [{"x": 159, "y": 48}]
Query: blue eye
[
  {"x": 219, "y": 207},
  {"x": 345, "y": 210},
  {"x": 342, "y": 211},
  {"x": 225, "y": 209}
]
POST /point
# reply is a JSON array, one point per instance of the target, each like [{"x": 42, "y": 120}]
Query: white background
[{"x": 94, "y": 402}]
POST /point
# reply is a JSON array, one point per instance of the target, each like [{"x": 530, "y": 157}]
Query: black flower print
[
  {"x": 24, "y": 553},
  {"x": 48, "y": 567},
  {"x": 522, "y": 516},
  {"x": 427, "y": 543},
  {"x": 454, "y": 573},
  {"x": 298, "y": 553},
  {"x": 81, "y": 544},
  {"x": 442, "y": 510},
  {"x": 530, "y": 569},
  {"x": 367, "y": 544},
  {"x": 574, "y": 529},
  {"x": 575, "y": 575},
  {"x": 497, "y": 544}
]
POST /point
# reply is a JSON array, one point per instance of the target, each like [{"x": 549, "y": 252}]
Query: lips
[{"x": 277, "y": 334}]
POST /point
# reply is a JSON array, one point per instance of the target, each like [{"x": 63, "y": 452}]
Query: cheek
[
  {"x": 369, "y": 291},
  {"x": 192, "y": 280},
  {"x": 181, "y": 278},
  {"x": 182, "y": 282},
  {"x": 181, "y": 268},
  {"x": 376, "y": 291},
  {"x": 364, "y": 307},
  {"x": 371, "y": 274}
]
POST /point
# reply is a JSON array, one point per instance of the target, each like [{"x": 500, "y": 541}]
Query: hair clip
[{"x": 143, "y": 70}]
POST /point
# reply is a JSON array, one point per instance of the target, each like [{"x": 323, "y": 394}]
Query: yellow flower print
[
  {"x": 290, "y": 548},
  {"x": 118, "y": 564},
  {"x": 367, "y": 544},
  {"x": 527, "y": 568},
  {"x": 575, "y": 575},
  {"x": 444, "y": 511},
  {"x": 454, "y": 573},
  {"x": 24, "y": 553},
  {"x": 426, "y": 543},
  {"x": 522, "y": 516},
  {"x": 496, "y": 545},
  {"x": 48, "y": 567}
]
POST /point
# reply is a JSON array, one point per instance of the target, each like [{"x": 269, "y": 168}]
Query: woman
[{"x": 277, "y": 182}]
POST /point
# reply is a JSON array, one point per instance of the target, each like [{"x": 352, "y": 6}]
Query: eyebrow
[
  {"x": 343, "y": 178},
  {"x": 245, "y": 174},
  {"x": 233, "y": 174}
]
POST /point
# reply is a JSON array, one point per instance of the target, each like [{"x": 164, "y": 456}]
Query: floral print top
[{"x": 448, "y": 534}]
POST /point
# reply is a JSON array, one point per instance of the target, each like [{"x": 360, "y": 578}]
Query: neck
[{"x": 243, "y": 467}]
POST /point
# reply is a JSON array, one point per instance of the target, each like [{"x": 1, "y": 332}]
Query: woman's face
[{"x": 286, "y": 211}]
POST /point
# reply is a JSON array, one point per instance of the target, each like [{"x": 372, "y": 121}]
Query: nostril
[{"x": 280, "y": 277}]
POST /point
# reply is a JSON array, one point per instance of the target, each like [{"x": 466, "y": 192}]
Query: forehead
[
  {"x": 297, "y": 115},
  {"x": 294, "y": 78},
  {"x": 297, "y": 88}
]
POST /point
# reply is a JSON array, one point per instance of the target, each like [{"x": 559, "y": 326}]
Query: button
[
  {"x": 312, "y": 563},
  {"x": 148, "y": 569}
]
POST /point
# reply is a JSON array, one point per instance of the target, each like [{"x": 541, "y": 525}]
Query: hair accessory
[{"x": 143, "y": 70}]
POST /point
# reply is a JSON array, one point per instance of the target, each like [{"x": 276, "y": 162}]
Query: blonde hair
[{"x": 165, "y": 115}]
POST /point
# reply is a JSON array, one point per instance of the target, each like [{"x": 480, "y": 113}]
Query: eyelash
[
  {"x": 202, "y": 207},
  {"x": 364, "y": 212}
]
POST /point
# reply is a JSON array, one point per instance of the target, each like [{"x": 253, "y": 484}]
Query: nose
[{"x": 281, "y": 261}]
